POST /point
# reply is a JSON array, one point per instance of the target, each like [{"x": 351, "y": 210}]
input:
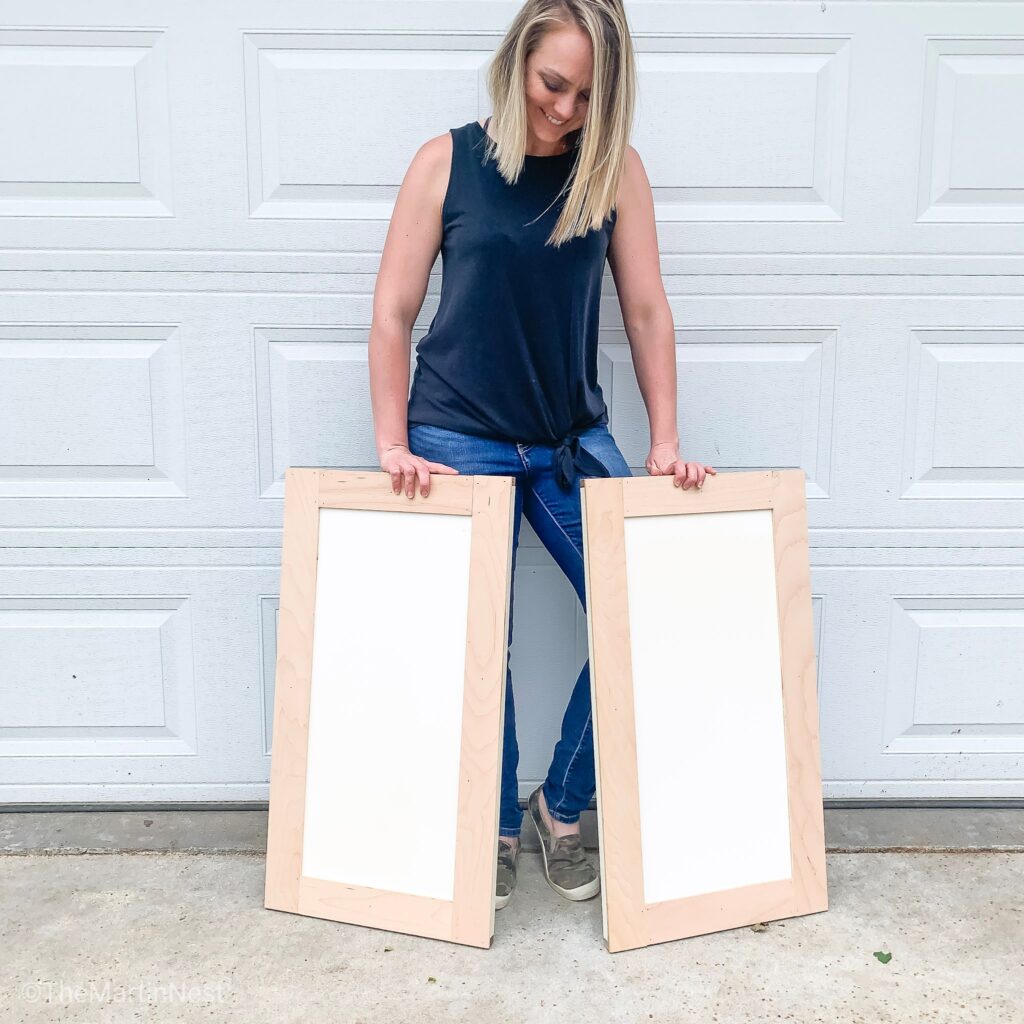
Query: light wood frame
[
  {"x": 630, "y": 921},
  {"x": 469, "y": 917}
]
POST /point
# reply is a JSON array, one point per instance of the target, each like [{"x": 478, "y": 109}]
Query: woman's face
[{"x": 558, "y": 77}]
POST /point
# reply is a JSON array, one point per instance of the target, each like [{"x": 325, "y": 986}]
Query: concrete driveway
[{"x": 164, "y": 922}]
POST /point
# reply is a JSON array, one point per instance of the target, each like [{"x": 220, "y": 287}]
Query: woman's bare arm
[
  {"x": 633, "y": 257},
  {"x": 410, "y": 249},
  {"x": 647, "y": 316}
]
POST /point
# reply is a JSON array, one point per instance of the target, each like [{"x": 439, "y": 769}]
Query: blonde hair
[{"x": 602, "y": 139}]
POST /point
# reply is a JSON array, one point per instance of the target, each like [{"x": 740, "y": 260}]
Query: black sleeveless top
[{"x": 512, "y": 351}]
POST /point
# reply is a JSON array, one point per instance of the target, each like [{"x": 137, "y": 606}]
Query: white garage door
[{"x": 193, "y": 198}]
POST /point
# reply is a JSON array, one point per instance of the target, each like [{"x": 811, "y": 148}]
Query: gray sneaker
[
  {"x": 566, "y": 866},
  {"x": 505, "y": 884}
]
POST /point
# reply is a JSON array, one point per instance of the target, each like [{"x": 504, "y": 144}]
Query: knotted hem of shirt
[{"x": 573, "y": 460}]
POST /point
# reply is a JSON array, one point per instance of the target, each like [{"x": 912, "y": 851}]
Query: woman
[{"x": 525, "y": 206}]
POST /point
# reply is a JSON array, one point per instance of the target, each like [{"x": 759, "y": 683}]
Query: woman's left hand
[{"x": 664, "y": 459}]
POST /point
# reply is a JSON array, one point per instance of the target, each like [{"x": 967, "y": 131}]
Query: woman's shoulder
[
  {"x": 433, "y": 160},
  {"x": 426, "y": 179},
  {"x": 633, "y": 186},
  {"x": 443, "y": 141},
  {"x": 436, "y": 148},
  {"x": 436, "y": 152}
]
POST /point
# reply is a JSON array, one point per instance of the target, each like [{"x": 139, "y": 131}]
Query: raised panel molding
[
  {"x": 748, "y": 398},
  {"x": 96, "y": 676},
  {"x": 972, "y": 165},
  {"x": 91, "y": 411},
  {"x": 305, "y": 159},
  {"x": 85, "y": 124},
  {"x": 307, "y": 141},
  {"x": 312, "y": 401},
  {"x": 954, "y": 676},
  {"x": 784, "y": 101},
  {"x": 964, "y": 433}
]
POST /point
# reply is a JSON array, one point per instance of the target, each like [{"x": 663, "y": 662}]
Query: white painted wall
[{"x": 193, "y": 198}]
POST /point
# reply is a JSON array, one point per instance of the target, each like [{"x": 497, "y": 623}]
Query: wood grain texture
[
  {"x": 476, "y": 865},
  {"x": 799, "y": 692},
  {"x": 612, "y": 680},
  {"x": 588, "y": 588},
  {"x": 292, "y": 688},
  {"x": 451, "y": 495},
  {"x": 630, "y": 922},
  {"x": 469, "y": 917}
]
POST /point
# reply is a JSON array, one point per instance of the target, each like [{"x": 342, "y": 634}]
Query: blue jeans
[{"x": 554, "y": 515}]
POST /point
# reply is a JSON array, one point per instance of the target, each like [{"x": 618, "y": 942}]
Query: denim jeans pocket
[{"x": 598, "y": 440}]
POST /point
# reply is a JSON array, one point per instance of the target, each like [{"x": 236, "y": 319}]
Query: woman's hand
[
  {"x": 403, "y": 465},
  {"x": 664, "y": 459}
]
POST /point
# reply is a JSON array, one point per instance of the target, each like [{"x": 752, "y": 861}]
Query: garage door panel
[
  {"x": 192, "y": 211},
  {"x": 903, "y": 410},
  {"x": 890, "y": 410},
  {"x": 785, "y": 100},
  {"x": 89, "y": 134},
  {"x": 140, "y": 675},
  {"x": 139, "y": 423},
  {"x": 313, "y": 148},
  {"x": 92, "y": 411},
  {"x": 972, "y": 167},
  {"x": 313, "y": 401},
  {"x": 921, "y": 672},
  {"x": 964, "y": 434},
  {"x": 861, "y": 127},
  {"x": 748, "y": 398}
]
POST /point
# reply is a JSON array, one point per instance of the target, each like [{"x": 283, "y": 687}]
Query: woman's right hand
[{"x": 404, "y": 466}]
